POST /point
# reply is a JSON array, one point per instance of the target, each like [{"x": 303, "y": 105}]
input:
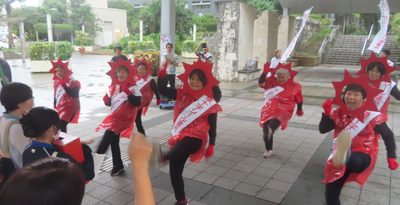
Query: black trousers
[
  {"x": 138, "y": 122},
  {"x": 177, "y": 157},
  {"x": 110, "y": 138},
  {"x": 268, "y": 137},
  {"x": 63, "y": 126},
  {"x": 357, "y": 163},
  {"x": 388, "y": 138}
]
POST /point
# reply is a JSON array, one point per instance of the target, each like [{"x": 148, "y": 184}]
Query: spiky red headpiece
[
  {"x": 147, "y": 65},
  {"x": 287, "y": 66},
  {"x": 206, "y": 67},
  {"x": 372, "y": 92},
  {"x": 373, "y": 58},
  {"x": 113, "y": 72},
  {"x": 61, "y": 64}
]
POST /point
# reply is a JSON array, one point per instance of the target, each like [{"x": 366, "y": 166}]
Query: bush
[
  {"x": 50, "y": 51},
  {"x": 83, "y": 39},
  {"x": 64, "y": 50},
  {"x": 141, "y": 46},
  {"x": 189, "y": 46},
  {"x": 152, "y": 56},
  {"x": 41, "y": 51}
]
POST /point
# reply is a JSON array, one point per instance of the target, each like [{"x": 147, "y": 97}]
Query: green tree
[
  {"x": 32, "y": 16},
  {"x": 206, "y": 23},
  {"x": 395, "y": 22},
  {"x": 262, "y": 5}
]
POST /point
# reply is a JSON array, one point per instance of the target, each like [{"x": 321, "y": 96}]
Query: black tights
[
  {"x": 388, "y": 138},
  {"x": 138, "y": 122},
  {"x": 63, "y": 126},
  {"x": 357, "y": 163},
  {"x": 177, "y": 157},
  {"x": 110, "y": 138},
  {"x": 272, "y": 124}
]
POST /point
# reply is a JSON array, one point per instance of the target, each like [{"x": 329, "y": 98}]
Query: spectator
[
  {"x": 43, "y": 125},
  {"x": 50, "y": 181},
  {"x": 118, "y": 53},
  {"x": 18, "y": 100},
  {"x": 5, "y": 72}
]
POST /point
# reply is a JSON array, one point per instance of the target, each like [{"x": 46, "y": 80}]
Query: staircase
[{"x": 346, "y": 49}]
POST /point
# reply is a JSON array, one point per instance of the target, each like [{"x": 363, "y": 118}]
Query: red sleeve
[{"x": 299, "y": 96}]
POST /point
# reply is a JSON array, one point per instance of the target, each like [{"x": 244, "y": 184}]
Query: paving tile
[
  {"x": 235, "y": 174},
  {"x": 248, "y": 189},
  {"x": 119, "y": 198},
  {"x": 219, "y": 171},
  {"x": 219, "y": 196},
  {"x": 88, "y": 200},
  {"x": 256, "y": 180},
  {"x": 160, "y": 194},
  {"x": 277, "y": 185},
  {"x": 226, "y": 183},
  {"x": 368, "y": 197},
  {"x": 271, "y": 195},
  {"x": 118, "y": 182},
  {"x": 285, "y": 177},
  {"x": 102, "y": 192},
  {"x": 206, "y": 178}
]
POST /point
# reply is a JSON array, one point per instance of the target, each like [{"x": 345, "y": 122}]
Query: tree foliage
[{"x": 396, "y": 26}]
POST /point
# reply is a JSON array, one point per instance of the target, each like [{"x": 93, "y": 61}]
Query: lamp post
[{"x": 49, "y": 26}]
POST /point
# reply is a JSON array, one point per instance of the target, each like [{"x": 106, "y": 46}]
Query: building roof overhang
[{"x": 338, "y": 6}]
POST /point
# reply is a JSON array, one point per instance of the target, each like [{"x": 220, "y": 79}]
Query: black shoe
[{"x": 117, "y": 171}]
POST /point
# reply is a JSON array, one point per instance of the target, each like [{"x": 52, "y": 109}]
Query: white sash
[
  {"x": 117, "y": 100},
  {"x": 59, "y": 94},
  {"x": 139, "y": 85},
  {"x": 355, "y": 127},
  {"x": 192, "y": 112},
  {"x": 272, "y": 92},
  {"x": 381, "y": 98}
]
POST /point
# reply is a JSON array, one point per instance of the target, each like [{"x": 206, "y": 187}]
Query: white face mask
[{"x": 57, "y": 135}]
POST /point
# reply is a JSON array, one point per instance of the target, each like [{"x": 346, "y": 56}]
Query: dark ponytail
[{"x": 38, "y": 120}]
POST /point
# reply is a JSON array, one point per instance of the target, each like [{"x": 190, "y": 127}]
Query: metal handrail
[
  {"x": 326, "y": 40},
  {"x": 367, "y": 39}
]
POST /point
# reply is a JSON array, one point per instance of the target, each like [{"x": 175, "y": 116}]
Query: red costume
[
  {"x": 144, "y": 85},
  {"x": 185, "y": 97},
  {"x": 383, "y": 80},
  {"x": 281, "y": 105},
  {"x": 365, "y": 141},
  {"x": 123, "y": 113},
  {"x": 67, "y": 107}
]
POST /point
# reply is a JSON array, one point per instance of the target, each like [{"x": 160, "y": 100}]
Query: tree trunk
[{"x": 9, "y": 24}]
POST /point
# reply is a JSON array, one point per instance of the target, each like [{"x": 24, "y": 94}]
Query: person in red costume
[
  {"x": 66, "y": 94},
  {"x": 195, "y": 120},
  {"x": 124, "y": 101},
  {"x": 355, "y": 144},
  {"x": 148, "y": 88},
  {"x": 378, "y": 72},
  {"x": 281, "y": 96}
]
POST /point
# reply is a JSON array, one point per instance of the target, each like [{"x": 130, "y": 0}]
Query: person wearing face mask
[
  {"x": 17, "y": 100},
  {"x": 43, "y": 126},
  {"x": 148, "y": 88},
  {"x": 66, "y": 94},
  {"x": 281, "y": 96},
  {"x": 192, "y": 133}
]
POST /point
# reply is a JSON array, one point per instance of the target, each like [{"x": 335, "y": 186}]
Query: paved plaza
[{"x": 237, "y": 174}]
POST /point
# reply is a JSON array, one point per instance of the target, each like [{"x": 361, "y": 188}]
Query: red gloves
[
  {"x": 327, "y": 106},
  {"x": 172, "y": 140},
  {"x": 158, "y": 102},
  {"x": 210, "y": 151},
  {"x": 393, "y": 164},
  {"x": 107, "y": 100},
  {"x": 299, "y": 113}
]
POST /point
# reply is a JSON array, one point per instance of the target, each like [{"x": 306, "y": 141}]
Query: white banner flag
[
  {"x": 290, "y": 48},
  {"x": 380, "y": 38}
]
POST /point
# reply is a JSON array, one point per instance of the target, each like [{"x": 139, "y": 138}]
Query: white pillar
[
  {"x": 22, "y": 37},
  {"x": 49, "y": 28},
  {"x": 83, "y": 28},
  {"x": 167, "y": 31},
  {"x": 194, "y": 32},
  {"x": 140, "y": 30}
]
